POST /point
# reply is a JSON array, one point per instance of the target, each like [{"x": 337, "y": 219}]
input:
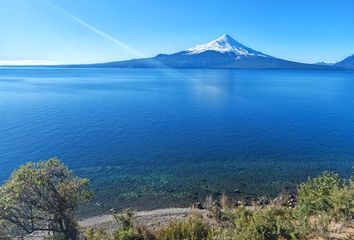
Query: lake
[{"x": 154, "y": 138}]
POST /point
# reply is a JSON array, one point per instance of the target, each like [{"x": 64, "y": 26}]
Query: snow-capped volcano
[
  {"x": 225, "y": 44},
  {"x": 223, "y": 52}
]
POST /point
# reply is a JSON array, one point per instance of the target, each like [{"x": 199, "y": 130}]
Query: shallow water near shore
[{"x": 155, "y": 138}]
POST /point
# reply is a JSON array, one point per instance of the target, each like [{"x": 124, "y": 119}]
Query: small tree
[{"x": 42, "y": 197}]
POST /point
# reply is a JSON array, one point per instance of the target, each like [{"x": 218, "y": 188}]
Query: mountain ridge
[
  {"x": 223, "y": 52},
  {"x": 346, "y": 63}
]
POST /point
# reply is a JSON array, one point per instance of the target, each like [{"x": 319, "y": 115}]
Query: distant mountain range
[
  {"x": 324, "y": 63},
  {"x": 223, "y": 52}
]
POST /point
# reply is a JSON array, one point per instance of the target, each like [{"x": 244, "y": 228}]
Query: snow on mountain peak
[{"x": 225, "y": 44}]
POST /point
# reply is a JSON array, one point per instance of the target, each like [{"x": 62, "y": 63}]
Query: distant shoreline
[{"x": 88, "y": 66}]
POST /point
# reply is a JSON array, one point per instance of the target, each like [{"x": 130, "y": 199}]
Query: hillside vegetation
[{"x": 42, "y": 198}]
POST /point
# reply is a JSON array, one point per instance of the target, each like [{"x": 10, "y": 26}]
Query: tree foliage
[{"x": 42, "y": 197}]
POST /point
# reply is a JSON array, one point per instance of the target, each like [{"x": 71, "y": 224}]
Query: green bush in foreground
[
  {"x": 128, "y": 230},
  {"x": 328, "y": 194},
  {"x": 99, "y": 234},
  {"x": 265, "y": 223},
  {"x": 192, "y": 229},
  {"x": 128, "y": 234}
]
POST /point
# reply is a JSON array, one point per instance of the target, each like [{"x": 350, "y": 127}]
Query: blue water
[{"x": 151, "y": 138}]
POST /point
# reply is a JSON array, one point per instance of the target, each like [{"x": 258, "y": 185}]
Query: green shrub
[
  {"x": 263, "y": 224},
  {"x": 96, "y": 234},
  {"x": 343, "y": 202},
  {"x": 132, "y": 233},
  {"x": 320, "y": 225},
  {"x": 327, "y": 193},
  {"x": 128, "y": 234},
  {"x": 125, "y": 219},
  {"x": 315, "y": 194},
  {"x": 129, "y": 230},
  {"x": 55, "y": 237},
  {"x": 192, "y": 229}
]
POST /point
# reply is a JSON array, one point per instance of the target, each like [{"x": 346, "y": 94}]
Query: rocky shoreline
[{"x": 151, "y": 219}]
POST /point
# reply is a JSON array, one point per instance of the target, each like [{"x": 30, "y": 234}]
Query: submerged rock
[
  {"x": 198, "y": 205},
  {"x": 237, "y": 191}
]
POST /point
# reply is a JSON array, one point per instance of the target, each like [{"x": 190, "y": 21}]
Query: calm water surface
[{"x": 151, "y": 138}]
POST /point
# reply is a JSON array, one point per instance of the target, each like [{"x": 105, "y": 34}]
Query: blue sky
[{"x": 86, "y": 31}]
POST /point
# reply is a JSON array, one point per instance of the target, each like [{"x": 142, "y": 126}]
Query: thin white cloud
[{"x": 95, "y": 30}]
